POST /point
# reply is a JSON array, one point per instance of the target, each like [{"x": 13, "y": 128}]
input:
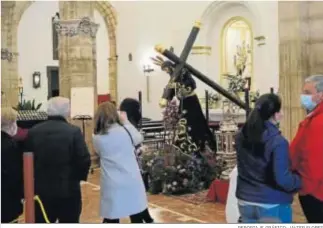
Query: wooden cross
[
  {"x": 181, "y": 63},
  {"x": 183, "y": 57}
]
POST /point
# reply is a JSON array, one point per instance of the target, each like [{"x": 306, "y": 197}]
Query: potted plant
[{"x": 28, "y": 105}]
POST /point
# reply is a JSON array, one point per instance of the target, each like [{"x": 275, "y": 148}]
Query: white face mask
[{"x": 13, "y": 129}]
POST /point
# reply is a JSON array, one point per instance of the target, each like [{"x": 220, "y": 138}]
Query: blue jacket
[{"x": 263, "y": 171}]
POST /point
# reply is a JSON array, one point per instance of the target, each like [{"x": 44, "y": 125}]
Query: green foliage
[
  {"x": 174, "y": 172},
  {"x": 28, "y": 105}
]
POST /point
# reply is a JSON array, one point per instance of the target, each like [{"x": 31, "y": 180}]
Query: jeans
[{"x": 257, "y": 214}]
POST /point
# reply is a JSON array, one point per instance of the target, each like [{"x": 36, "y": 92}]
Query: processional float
[{"x": 228, "y": 128}]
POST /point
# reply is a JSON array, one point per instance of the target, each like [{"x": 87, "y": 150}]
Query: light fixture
[
  {"x": 20, "y": 89},
  {"x": 148, "y": 69},
  {"x": 36, "y": 79}
]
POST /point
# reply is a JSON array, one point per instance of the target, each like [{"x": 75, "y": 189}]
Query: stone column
[
  {"x": 77, "y": 53},
  {"x": 9, "y": 56},
  {"x": 300, "y": 51}
]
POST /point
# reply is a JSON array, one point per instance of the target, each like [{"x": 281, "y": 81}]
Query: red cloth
[
  {"x": 306, "y": 151},
  {"x": 218, "y": 191},
  {"x": 103, "y": 98},
  {"x": 21, "y": 134},
  {"x": 211, "y": 195}
]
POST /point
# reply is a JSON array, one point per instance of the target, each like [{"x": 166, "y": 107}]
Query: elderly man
[
  {"x": 11, "y": 168},
  {"x": 62, "y": 161},
  {"x": 307, "y": 150}
]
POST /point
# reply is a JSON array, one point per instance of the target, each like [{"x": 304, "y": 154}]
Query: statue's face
[{"x": 167, "y": 70}]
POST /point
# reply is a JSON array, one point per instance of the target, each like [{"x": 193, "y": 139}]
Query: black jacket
[
  {"x": 11, "y": 179},
  {"x": 61, "y": 157}
]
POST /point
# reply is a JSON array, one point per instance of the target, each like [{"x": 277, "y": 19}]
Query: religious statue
[
  {"x": 238, "y": 81},
  {"x": 242, "y": 59},
  {"x": 193, "y": 131}
]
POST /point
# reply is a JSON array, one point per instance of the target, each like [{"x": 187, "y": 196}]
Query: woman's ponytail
[
  {"x": 254, "y": 127},
  {"x": 266, "y": 106}
]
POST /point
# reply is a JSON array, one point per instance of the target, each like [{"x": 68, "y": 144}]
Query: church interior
[{"x": 96, "y": 51}]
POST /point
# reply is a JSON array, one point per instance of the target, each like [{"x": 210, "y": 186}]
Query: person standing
[
  {"x": 11, "y": 168},
  {"x": 122, "y": 189},
  {"x": 62, "y": 161},
  {"x": 307, "y": 150},
  {"x": 132, "y": 108},
  {"x": 265, "y": 185}
]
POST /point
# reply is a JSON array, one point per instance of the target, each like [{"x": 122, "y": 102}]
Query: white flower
[
  {"x": 179, "y": 166},
  {"x": 169, "y": 186},
  {"x": 174, "y": 183},
  {"x": 182, "y": 171},
  {"x": 144, "y": 149},
  {"x": 149, "y": 164}
]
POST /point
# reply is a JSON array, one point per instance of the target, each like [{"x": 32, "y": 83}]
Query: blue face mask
[{"x": 307, "y": 102}]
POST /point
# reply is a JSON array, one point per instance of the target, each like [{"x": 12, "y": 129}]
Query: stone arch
[
  {"x": 217, "y": 6},
  {"x": 212, "y": 15},
  {"x": 16, "y": 9}
]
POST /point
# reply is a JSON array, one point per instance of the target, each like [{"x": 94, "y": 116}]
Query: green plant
[{"x": 28, "y": 105}]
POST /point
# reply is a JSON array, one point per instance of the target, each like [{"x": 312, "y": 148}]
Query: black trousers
[
  {"x": 312, "y": 208},
  {"x": 63, "y": 210},
  {"x": 142, "y": 217}
]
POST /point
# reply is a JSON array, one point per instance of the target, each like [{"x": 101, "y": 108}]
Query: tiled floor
[{"x": 164, "y": 209}]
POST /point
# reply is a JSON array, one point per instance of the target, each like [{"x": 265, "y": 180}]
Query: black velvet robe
[{"x": 196, "y": 122}]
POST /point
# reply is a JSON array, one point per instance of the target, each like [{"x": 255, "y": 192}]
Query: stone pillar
[
  {"x": 9, "y": 56},
  {"x": 113, "y": 84},
  {"x": 77, "y": 53},
  {"x": 300, "y": 51}
]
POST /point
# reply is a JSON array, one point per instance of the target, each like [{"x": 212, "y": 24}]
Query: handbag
[{"x": 136, "y": 147}]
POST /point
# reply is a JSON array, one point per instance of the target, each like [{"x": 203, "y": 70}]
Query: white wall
[
  {"x": 35, "y": 49},
  {"x": 142, "y": 25}
]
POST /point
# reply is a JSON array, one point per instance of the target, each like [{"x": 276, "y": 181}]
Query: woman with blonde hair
[
  {"x": 122, "y": 189},
  {"x": 11, "y": 168}
]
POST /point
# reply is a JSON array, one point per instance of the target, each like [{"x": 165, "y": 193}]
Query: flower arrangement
[
  {"x": 213, "y": 100},
  {"x": 171, "y": 115},
  {"x": 236, "y": 83},
  {"x": 173, "y": 172},
  {"x": 178, "y": 171}
]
